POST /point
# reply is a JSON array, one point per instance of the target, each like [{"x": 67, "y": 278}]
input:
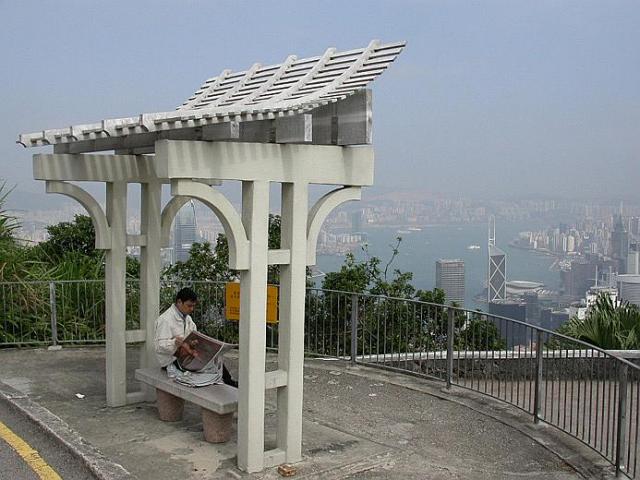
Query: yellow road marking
[{"x": 29, "y": 455}]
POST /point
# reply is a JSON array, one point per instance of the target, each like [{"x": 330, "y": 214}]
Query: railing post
[
  {"x": 54, "y": 314},
  {"x": 621, "y": 435},
  {"x": 450, "y": 318},
  {"x": 537, "y": 399},
  {"x": 354, "y": 328}
]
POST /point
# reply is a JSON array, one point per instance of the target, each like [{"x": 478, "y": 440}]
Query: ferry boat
[{"x": 473, "y": 247}]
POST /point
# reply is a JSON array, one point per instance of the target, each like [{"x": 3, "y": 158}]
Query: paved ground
[
  {"x": 62, "y": 461},
  {"x": 359, "y": 423}
]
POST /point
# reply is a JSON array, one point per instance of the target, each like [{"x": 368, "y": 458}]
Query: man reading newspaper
[{"x": 198, "y": 352}]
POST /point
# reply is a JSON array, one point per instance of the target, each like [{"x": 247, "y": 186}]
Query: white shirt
[{"x": 169, "y": 325}]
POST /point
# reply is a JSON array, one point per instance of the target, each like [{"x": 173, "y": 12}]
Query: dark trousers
[{"x": 226, "y": 377}]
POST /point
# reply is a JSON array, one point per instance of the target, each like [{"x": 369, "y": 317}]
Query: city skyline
[{"x": 581, "y": 251}]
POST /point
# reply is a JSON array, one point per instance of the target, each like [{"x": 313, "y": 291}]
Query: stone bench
[{"x": 218, "y": 402}]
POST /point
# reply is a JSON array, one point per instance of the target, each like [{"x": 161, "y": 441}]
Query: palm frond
[{"x": 8, "y": 223}]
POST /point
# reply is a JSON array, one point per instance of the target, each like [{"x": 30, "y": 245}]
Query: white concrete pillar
[
  {"x": 150, "y": 228},
  {"x": 253, "y": 304},
  {"x": 115, "y": 294},
  {"x": 291, "y": 327}
]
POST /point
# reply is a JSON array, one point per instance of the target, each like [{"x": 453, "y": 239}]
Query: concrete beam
[
  {"x": 325, "y": 125},
  {"x": 319, "y": 164},
  {"x": 221, "y": 131},
  {"x": 344, "y": 122},
  {"x": 294, "y": 129},
  {"x": 94, "y": 168},
  {"x": 355, "y": 119}
]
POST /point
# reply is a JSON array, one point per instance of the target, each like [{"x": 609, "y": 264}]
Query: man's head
[{"x": 186, "y": 300}]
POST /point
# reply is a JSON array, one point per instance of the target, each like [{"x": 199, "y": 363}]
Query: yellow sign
[{"x": 232, "y": 302}]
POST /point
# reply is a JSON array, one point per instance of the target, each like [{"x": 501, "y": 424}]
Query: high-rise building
[
  {"x": 629, "y": 288},
  {"x": 553, "y": 319},
  {"x": 184, "y": 232},
  {"x": 497, "y": 271},
  {"x": 633, "y": 259},
  {"x": 578, "y": 278},
  {"x": 514, "y": 310},
  {"x": 497, "y": 275},
  {"x": 450, "y": 279},
  {"x": 578, "y": 310},
  {"x": 603, "y": 290},
  {"x": 620, "y": 245},
  {"x": 531, "y": 300}
]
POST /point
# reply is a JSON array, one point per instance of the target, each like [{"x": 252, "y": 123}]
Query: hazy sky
[{"x": 531, "y": 97}]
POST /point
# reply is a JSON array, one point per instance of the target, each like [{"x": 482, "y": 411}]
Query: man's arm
[
  {"x": 164, "y": 341},
  {"x": 191, "y": 326}
]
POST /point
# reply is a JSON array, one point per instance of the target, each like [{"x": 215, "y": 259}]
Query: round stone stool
[
  {"x": 170, "y": 407},
  {"x": 217, "y": 428}
]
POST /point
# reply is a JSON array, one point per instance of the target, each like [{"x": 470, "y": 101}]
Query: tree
[
  {"x": 7, "y": 242},
  {"x": 368, "y": 277},
  {"x": 275, "y": 229},
  {"x": 70, "y": 252},
  {"x": 8, "y": 223},
  {"x": 479, "y": 334},
  {"x": 17, "y": 264},
  {"x": 204, "y": 264},
  {"x": 353, "y": 276},
  {"x": 394, "y": 316},
  {"x": 213, "y": 265},
  {"x": 77, "y": 236},
  {"x": 436, "y": 295},
  {"x": 608, "y": 326}
]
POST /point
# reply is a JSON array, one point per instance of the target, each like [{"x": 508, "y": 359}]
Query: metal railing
[
  {"x": 587, "y": 392},
  {"x": 73, "y": 311},
  {"x": 580, "y": 389}
]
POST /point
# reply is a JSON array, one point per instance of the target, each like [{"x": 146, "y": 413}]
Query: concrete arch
[
  {"x": 231, "y": 221},
  {"x": 169, "y": 212},
  {"x": 98, "y": 218},
  {"x": 319, "y": 212}
]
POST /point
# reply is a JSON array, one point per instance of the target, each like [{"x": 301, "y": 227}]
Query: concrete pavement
[
  {"x": 19, "y": 437},
  {"x": 358, "y": 423}
]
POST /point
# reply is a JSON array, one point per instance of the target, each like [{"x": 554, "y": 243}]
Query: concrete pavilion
[{"x": 301, "y": 122}]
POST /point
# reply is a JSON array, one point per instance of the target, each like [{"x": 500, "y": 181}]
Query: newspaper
[{"x": 207, "y": 353}]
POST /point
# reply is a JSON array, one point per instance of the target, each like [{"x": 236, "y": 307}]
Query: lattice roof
[{"x": 260, "y": 93}]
